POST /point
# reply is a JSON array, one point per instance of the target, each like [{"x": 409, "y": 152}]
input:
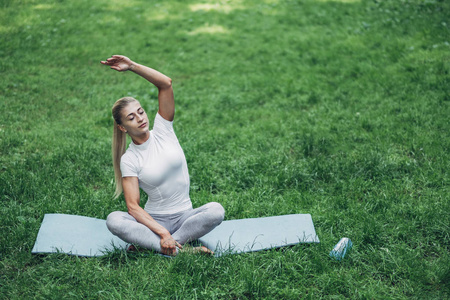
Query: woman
[{"x": 155, "y": 162}]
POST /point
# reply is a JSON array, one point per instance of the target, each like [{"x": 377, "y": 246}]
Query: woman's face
[{"x": 134, "y": 119}]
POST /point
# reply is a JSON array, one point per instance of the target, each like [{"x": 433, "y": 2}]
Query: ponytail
[
  {"x": 119, "y": 142},
  {"x": 118, "y": 149}
]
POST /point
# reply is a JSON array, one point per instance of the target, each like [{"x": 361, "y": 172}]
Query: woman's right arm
[
  {"x": 132, "y": 198},
  {"x": 162, "y": 82}
]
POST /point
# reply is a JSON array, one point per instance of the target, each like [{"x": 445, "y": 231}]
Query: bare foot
[
  {"x": 204, "y": 250},
  {"x": 132, "y": 248},
  {"x": 201, "y": 250}
]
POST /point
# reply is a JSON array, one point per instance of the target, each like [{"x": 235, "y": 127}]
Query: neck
[{"x": 138, "y": 140}]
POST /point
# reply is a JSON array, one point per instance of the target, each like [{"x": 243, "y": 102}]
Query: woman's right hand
[
  {"x": 169, "y": 245},
  {"x": 119, "y": 63}
]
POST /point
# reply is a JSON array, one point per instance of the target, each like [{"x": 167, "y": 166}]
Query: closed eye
[{"x": 140, "y": 111}]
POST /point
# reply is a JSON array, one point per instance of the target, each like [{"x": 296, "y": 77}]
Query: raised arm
[{"x": 162, "y": 82}]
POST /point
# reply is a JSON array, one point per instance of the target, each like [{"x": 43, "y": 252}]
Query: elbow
[
  {"x": 169, "y": 82},
  {"x": 133, "y": 210}
]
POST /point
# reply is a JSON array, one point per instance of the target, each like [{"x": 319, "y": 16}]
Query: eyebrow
[{"x": 133, "y": 112}]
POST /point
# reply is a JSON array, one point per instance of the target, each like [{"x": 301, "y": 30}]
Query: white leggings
[{"x": 185, "y": 226}]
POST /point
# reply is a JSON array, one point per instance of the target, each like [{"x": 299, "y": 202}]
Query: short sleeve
[
  {"x": 127, "y": 167},
  {"x": 162, "y": 127}
]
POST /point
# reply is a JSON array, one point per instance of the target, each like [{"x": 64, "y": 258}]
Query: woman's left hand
[
  {"x": 169, "y": 245},
  {"x": 119, "y": 63}
]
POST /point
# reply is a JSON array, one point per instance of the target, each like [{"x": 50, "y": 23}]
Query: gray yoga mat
[
  {"x": 85, "y": 236},
  {"x": 247, "y": 235},
  {"x": 76, "y": 235}
]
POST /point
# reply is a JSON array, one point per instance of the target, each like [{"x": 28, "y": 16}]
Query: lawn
[{"x": 336, "y": 108}]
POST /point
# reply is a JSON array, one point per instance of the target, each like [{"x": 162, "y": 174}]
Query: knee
[
  {"x": 217, "y": 212},
  {"x": 113, "y": 222}
]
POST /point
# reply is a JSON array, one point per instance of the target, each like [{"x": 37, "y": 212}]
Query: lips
[{"x": 143, "y": 125}]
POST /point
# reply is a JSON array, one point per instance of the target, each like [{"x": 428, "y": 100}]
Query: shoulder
[
  {"x": 162, "y": 126},
  {"x": 129, "y": 164},
  {"x": 130, "y": 156}
]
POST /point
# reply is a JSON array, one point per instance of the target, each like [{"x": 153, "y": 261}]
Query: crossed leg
[{"x": 184, "y": 227}]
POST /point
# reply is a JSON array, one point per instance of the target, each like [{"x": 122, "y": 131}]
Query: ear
[{"x": 121, "y": 128}]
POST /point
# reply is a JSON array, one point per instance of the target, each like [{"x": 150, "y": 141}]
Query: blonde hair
[{"x": 119, "y": 141}]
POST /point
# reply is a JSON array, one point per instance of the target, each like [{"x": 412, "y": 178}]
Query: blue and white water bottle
[{"x": 341, "y": 248}]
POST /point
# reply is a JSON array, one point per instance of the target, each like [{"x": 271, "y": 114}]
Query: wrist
[
  {"x": 133, "y": 66},
  {"x": 165, "y": 235}
]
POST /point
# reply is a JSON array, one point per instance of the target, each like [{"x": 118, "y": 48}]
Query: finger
[
  {"x": 168, "y": 251},
  {"x": 117, "y": 56},
  {"x": 179, "y": 245}
]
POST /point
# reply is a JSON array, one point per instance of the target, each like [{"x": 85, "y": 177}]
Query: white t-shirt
[{"x": 161, "y": 168}]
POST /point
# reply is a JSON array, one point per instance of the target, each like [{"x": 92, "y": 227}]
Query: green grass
[{"x": 334, "y": 108}]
